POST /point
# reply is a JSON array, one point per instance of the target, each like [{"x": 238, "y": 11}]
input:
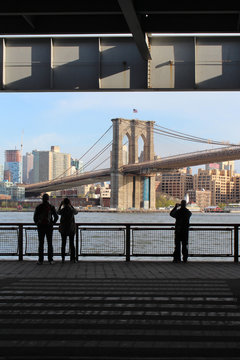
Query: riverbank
[
  {"x": 15, "y": 210},
  {"x": 137, "y": 211}
]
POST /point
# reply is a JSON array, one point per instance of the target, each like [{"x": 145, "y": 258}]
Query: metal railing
[{"x": 124, "y": 239}]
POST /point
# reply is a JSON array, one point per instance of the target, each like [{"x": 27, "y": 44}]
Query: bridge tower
[{"x": 129, "y": 190}]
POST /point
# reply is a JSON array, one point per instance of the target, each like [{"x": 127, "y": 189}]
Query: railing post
[
  {"x": 127, "y": 242},
  {"x": 236, "y": 245},
  {"x": 20, "y": 242},
  {"x": 77, "y": 241}
]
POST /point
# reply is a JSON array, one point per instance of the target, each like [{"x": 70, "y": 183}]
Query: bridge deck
[{"x": 116, "y": 310}]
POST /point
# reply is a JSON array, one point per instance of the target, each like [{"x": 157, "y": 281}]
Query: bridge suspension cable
[
  {"x": 97, "y": 155},
  {"x": 86, "y": 152},
  {"x": 95, "y": 143},
  {"x": 160, "y": 130},
  {"x": 183, "y": 136},
  {"x": 107, "y": 158}
]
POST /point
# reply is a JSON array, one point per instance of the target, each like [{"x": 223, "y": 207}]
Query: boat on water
[
  {"x": 214, "y": 209},
  {"x": 232, "y": 208}
]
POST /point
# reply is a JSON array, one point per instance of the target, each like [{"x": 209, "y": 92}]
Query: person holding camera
[
  {"x": 67, "y": 227},
  {"x": 182, "y": 216}
]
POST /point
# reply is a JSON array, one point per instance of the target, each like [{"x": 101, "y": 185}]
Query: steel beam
[
  {"x": 179, "y": 63},
  {"x": 135, "y": 27}
]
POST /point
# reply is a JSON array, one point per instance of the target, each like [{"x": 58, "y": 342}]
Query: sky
[{"x": 74, "y": 121}]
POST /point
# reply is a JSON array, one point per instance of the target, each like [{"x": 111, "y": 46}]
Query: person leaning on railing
[{"x": 67, "y": 227}]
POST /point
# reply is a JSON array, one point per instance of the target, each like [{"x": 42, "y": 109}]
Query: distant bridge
[{"x": 144, "y": 169}]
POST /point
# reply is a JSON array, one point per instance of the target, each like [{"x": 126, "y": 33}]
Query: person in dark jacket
[
  {"x": 67, "y": 227},
  {"x": 45, "y": 216},
  {"x": 182, "y": 216}
]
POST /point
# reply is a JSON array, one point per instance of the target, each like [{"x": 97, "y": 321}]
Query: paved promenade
[{"x": 118, "y": 310}]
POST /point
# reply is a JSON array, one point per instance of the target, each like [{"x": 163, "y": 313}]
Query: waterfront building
[
  {"x": 236, "y": 188},
  {"x": 219, "y": 182},
  {"x": 200, "y": 197},
  {"x": 16, "y": 193},
  {"x": 49, "y": 165},
  {"x": 13, "y": 165},
  {"x": 175, "y": 183},
  {"x": 105, "y": 196}
]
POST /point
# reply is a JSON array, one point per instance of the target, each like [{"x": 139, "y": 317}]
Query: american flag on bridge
[{"x": 135, "y": 110}]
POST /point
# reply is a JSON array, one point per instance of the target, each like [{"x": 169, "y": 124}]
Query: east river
[{"x": 108, "y": 217}]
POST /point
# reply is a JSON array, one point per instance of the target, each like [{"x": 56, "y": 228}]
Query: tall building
[
  {"x": 49, "y": 165},
  {"x": 175, "y": 183},
  {"x": 77, "y": 166},
  {"x": 219, "y": 182},
  {"x": 224, "y": 165},
  {"x": 27, "y": 168},
  {"x": 13, "y": 165},
  {"x": 236, "y": 188}
]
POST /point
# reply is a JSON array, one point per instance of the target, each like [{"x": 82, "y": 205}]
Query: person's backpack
[{"x": 45, "y": 215}]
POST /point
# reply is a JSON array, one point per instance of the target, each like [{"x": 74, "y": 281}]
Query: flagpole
[{"x": 135, "y": 111}]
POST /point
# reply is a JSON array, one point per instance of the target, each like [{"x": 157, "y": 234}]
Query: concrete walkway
[
  {"x": 118, "y": 310},
  {"x": 121, "y": 269}
]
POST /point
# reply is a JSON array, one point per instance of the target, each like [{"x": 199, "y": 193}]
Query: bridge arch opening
[
  {"x": 125, "y": 149},
  {"x": 141, "y": 148}
]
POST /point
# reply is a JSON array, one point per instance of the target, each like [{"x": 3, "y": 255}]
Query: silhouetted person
[
  {"x": 67, "y": 227},
  {"x": 182, "y": 216},
  {"x": 45, "y": 216}
]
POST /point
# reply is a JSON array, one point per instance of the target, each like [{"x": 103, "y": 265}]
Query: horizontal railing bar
[
  {"x": 211, "y": 229},
  {"x": 9, "y": 228},
  {"x": 155, "y": 228},
  {"x": 107, "y": 229},
  {"x": 190, "y": 254},
  {"x": 129, "y": 224},
  {"x": 190, "y": 229},
  {"x": 9, "y": 254},
  {"x": 102, "y": 254}
]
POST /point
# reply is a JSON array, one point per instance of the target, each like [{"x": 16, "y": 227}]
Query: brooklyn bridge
[{"x": 133, "y": 183}]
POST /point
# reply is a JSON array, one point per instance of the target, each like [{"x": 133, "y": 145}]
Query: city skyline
[{"x": 74, "y": 121}]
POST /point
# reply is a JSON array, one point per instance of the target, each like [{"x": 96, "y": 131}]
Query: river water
[{"x": 108, "y": 217}]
